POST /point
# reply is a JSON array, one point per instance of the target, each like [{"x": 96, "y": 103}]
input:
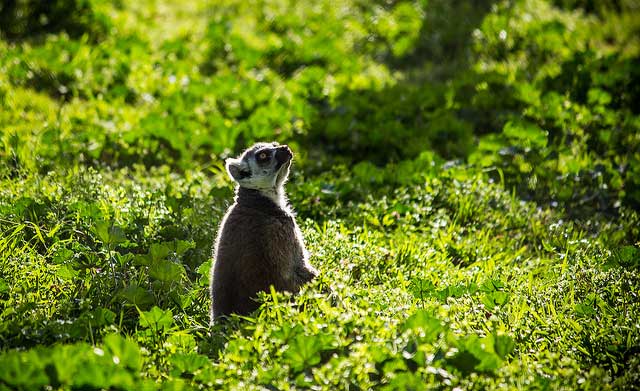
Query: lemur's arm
[{"x": 304, "y": 273}]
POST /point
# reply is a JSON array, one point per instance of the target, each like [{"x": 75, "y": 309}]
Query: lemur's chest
[{"x": 283, "y": 227}]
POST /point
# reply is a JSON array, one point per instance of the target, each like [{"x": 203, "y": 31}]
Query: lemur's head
[{"x": 264, "y": 167}]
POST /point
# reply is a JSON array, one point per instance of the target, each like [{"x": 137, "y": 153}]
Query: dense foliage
[{"x": 467, "y": 179}]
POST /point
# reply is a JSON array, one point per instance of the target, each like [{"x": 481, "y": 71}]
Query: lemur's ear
[{"x": 236, "y": 169}]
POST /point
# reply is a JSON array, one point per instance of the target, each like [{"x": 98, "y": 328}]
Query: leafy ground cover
[{"x": 467, "y": 180}]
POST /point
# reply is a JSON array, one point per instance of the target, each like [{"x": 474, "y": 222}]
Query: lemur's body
[{"x": 259, "y": 243}]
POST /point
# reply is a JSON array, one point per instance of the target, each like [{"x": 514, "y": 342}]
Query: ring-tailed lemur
[{"x": 259, "y": 243}]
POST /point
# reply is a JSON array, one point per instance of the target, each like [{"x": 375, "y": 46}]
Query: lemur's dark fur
[{"x": 259, "y": 243}]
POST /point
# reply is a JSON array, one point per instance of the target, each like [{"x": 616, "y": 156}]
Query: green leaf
[
  {"x": 102, "y": 230},
  {"x": 137, "y": 296},
  {"x": 62, "y": 255},
  {"x": 108, "y": 233},
  {"x": 66, "y": 272},
  {"x": 483, "y": 350},
  {"x": 92, "y": 375},
  {"x": 503, "y": 345},
  {"x": 528, "y": 134},
  {"x": 123, "y": 259},
  {"x": 181, "y": 340},
  {"x": 187, "y": 363},
  {"x": 489, "y": 360},
  {"x": 64, "y": 362},
  {"x": 628, "y": 256},
  {"x": 159, "y": 251},
  {"x": 166, "y": 271},
  {"x": 425, "y": 322},
  {"x": 421, "y": 288},
  {"x": 495, "y": 299},
  {"x": 101, "y": 317},
  {"x": 286, "y": 332},
  {"x": 182, "y": 246},
  {"x": 406, "y": 381},
  {"x": 304, "y": 350},
  {"x": 204, "y": 271},
  {"x": 156, "y": 319},
  {"x": 585, "y": 310},
  {"x": 492, "y": 285},
  {"x": 124, "y": 352},
  {"x": 23, "y": 370},
  {"x": 142, "y": 260},
  {"x": 464, "y": 361}
]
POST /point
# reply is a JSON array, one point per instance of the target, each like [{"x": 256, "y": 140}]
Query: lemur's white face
[{"x": 264, "y": 166}]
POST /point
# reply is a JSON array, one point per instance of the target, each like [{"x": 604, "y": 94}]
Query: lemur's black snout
[{"x": 283, "y": 154}]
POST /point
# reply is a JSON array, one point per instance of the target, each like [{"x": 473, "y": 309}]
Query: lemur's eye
[{"x": 262, "y": 156}]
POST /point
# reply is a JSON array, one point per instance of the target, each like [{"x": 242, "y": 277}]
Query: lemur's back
[
  {"x": 257, "y": 247},
  {"x": 259, "y": 244}
]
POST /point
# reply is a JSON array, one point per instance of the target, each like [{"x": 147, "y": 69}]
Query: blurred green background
[{"x": 545, "y": 94}]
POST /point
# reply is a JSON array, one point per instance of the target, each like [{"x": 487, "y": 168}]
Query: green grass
[{"x": 469, "y": 193}]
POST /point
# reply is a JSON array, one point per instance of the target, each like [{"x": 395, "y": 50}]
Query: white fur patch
[{"x": 266, "y": 179}]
